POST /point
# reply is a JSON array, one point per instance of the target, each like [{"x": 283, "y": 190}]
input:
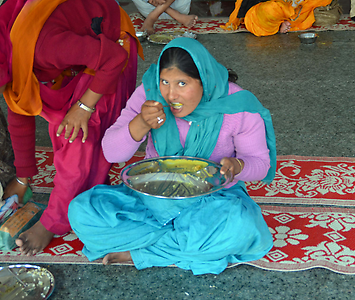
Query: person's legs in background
[
  {"x": 7, "y": 168},
  {"x": 169, "y": 9}
]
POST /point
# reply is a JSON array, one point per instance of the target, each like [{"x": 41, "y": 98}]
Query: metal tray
[
  {"x": 27, "y": 282},
  {"x": 175, "y": 177},
  {"x": 164, "y": 38}
]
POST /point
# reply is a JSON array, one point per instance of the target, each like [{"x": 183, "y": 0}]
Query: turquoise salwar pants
[{"x": 201, "y": 234}]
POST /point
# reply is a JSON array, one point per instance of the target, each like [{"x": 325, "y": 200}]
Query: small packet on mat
[{"x": 23, "y": 219}]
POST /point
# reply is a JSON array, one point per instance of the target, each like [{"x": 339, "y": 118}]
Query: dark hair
[
  {"x": 232, "y": 76},
  {"x": 181, "y": 59}
]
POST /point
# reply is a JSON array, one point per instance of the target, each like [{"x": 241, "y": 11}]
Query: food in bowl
[{"x": 175, "y": 177}]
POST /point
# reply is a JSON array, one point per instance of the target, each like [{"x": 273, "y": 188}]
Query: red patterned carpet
[
  {"x": 211, "y": 25},
  {"x": 305, "y": 236},
  {"x": 298, "y": 180}
]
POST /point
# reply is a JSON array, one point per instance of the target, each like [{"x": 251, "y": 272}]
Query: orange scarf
[
  {"x": 265, "y": 18},
  {"x": 233, "y": 22},
  {"x": 127, "y": 26},
  {"x": 23, "y": 93}
]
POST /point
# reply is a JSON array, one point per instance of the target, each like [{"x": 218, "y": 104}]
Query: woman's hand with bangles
[
  {"x": 234, "y": 165},
  {"x": 75, "y": 119},
  {"x": 16, "y": 188},
  {"x": 78, "y": 116}
]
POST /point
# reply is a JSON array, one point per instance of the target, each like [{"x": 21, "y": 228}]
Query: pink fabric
[
  {"x": 68, "y": 42},
  {"x": 8, "y": 13},
  {"x": 81, "y": 166},
  {"x": 241, "y": 134},
  {"x": 70, "y": 23}
]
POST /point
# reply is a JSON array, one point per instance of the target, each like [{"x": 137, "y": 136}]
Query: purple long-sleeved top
[{"x": 242, "y": 136}]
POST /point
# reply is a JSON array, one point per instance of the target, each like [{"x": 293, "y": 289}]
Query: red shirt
[{"x": 67, "y": 41}]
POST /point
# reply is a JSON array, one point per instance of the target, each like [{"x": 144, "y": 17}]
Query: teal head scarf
[{"x": 207, "y": 118}]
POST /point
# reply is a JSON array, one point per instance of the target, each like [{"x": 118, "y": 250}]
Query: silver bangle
[
  {"x": 240, "y": 164},
  {"x": 85, "y": 107},
  {"x": 21, "y": 182}
]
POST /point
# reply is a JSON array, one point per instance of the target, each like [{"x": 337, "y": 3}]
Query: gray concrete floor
[{"x": 309, "y": 90}]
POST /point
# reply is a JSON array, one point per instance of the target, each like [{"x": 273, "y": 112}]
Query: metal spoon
[{"x": 25, "y": 285}]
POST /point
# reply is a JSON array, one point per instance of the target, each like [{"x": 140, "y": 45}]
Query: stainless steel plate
[
  {"x": 27, "y": 282},
  {"x": 175, "y": 177},
  {"x": 166, "y": 37},
  {"x": 141, "y": 35}
]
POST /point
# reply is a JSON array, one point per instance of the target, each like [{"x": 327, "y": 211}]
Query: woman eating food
[{"x": 185, "y": 107}]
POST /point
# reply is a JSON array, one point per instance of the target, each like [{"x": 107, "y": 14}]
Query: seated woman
[
  {"x": 187, "y": 107},
  {"x": 153, "y": 10},
  {"x": 263, "y": 18}
]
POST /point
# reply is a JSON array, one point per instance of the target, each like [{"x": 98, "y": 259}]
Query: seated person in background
[
  {"x": 153, "y": 10},
  {"x": 188, "y": 107},
  {"x": 263, "y": 18}
]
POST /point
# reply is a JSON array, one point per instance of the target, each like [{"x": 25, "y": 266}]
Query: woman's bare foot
[
  {"x": 285, "y": 27},
  {"x": 148, "y": 25},
  {"x": 34, "y": 239},
  {"x": 117, "y": 257},
  {"x": 188, "y": 20}
]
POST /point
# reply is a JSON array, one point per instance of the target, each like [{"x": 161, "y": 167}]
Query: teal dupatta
[{"x": 207, "y": 118}]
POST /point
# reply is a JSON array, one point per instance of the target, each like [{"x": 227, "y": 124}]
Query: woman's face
[{"x": 182, "y": 92}]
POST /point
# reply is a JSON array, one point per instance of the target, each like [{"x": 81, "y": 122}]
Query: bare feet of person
[
  {"x": 34, "y": 239},
  {"x": 285, "y": 27},
  {"x": 188, "y": 20},
  {"x": 148, "y": 26},
  {"x": 117, "y": 257}
]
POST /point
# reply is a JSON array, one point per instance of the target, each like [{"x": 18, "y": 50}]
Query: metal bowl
[
  {"x": 175, "y": 177},
  {"x": 27, "y": 282},
  {"x": 308, "y": 37},
  {"x": 164, "y": 38},
  {"x": 141, "y": 35}
]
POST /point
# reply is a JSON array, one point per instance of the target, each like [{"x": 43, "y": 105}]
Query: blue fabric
[
  {"x": 224, "y": 227},
  {"x": 207, "y": 118}
]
